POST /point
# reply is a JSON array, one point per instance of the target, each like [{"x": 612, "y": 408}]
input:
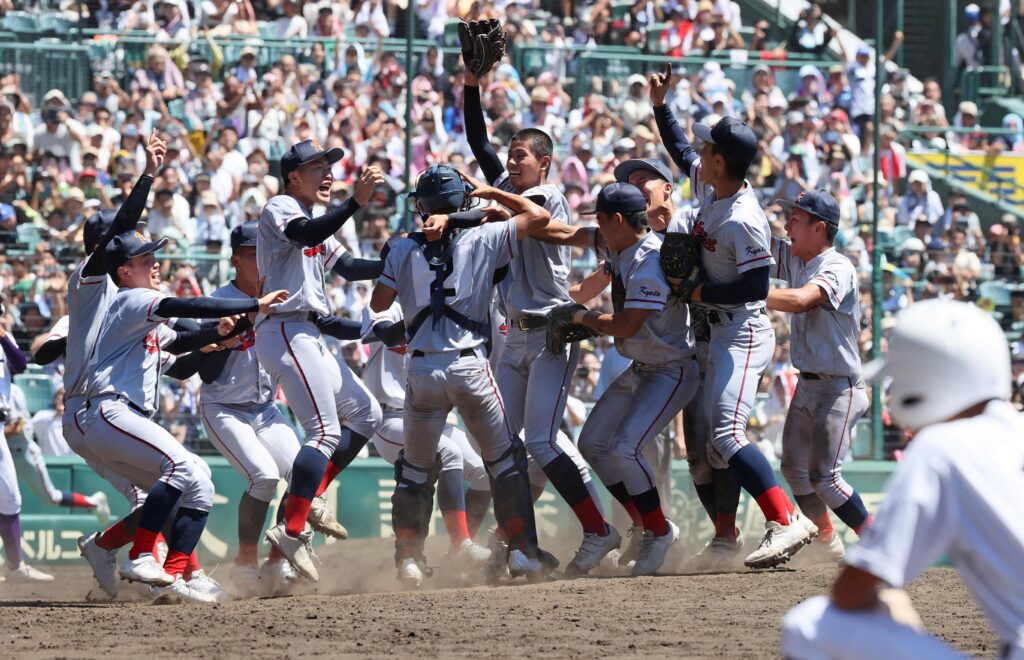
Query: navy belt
[
  {"x": 716, "y": 317},
  {"x": 466, "y": 352},
  {"x": 527, "y": 323}
]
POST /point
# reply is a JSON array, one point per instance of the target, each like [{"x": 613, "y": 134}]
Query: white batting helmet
[{"x": 944, "y": 357}]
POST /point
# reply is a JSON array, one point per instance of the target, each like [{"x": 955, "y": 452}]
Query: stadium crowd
[{"x": 227, "y": 121}]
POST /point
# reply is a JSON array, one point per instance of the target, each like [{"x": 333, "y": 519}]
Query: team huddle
[{"x": 475, "y": 313}]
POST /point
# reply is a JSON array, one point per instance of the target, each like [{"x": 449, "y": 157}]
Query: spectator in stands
[
  {"x": 860, "y": 71},
  {"x": 920, "y": 199},
  {"x": 968, "y": 44},
  {"x": 810, "y": 33},
  {"x": 160, "y": 76},
  {"x": 291, "y": 23},
  {"x": 1014, "y": 140},
  {"x": 1005, "y": 248}
]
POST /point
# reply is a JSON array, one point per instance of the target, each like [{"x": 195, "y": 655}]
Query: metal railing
[
  {"x": 979, "y": 83},
  {"x": 47, "y": 64}
]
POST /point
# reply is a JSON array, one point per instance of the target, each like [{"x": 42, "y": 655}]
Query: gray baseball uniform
[
  {"x": 10, "y": 496},
  {"x": 830, "y": 395},
  {"x": 288, "y": 342},
  {"x": 659, "y": 382},
  {"x": 241, "y": 419}
]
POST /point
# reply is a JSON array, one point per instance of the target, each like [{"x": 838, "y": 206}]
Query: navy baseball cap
[
  {"x": 619, "y": 197},
  {"x": 306, "y": 152},
  {"x": 818, "y": 203},
  {"x": 244, "y": 235},
  {"x": 732, "y": 137},
  {"x": 127, "y": 246},
  {"x": 440, "y": 188},
  {"x": 653, "y": 165},
  {"x": 96, "y": 225}
]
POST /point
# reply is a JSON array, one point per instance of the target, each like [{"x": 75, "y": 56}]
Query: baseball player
[
  {"x": 291, "y": 253},
  {"x": 445, "y": 294},
  {"x": 535, "y": 383},
  {"x": 736, "y": 259},
  {"x": 830, "y": 396},
  {"x": 655, "y": 333},
  {"x": 716, "y": 488},
  {"x": 133, "y": 347},
  {"x": 12, "y": 361},
  {"x": 955, "y": 494}
]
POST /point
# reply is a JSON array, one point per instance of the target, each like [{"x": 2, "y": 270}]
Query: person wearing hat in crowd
[
  {"x": 636, "y": 111},
  {"x": 830, "y": 396},
  {"x": 919, "y": 199},
  {"x": 968, "y": 43},
  {"x": 860, "y": 72}
]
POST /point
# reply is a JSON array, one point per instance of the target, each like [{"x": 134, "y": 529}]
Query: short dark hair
[
  {"x": 736, "y": 168},
  {"x": 537, "y": 141},
  {"x": 831, "y": 231},
  {"x": 636, "y": 219}
]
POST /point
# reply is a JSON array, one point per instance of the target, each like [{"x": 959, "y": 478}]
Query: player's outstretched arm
[
  {"x": 591, "y": 286},
  {"x": 215, "y": 308},
  {"x": 50, "y": 350},
  {"x": 354, "y": 269},
  {"x": 752, "y": 286},
  {"x": 672, "y": 134},
  {"x": 797, "y": 301},
  {"x": 314, "y": 231},
  {"x": 187, "y": 365},
  {"x": 530, "y": 218},
  {"x": 193, "y": 340},
  {"x": 339, "y": 328},
  {"x": 624, "y": 324},
  {"x": 476, "y": 131},
  {"x": 382, "y": 298}
]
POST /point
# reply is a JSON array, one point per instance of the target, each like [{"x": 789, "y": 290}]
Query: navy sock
[
  {"x": 852, "y": 512},
  {"x": 160, "y": 501},
  {"x": 565, "y": 477},
  {"x": 307, "y": 471},
  {"x": 349, "y": 447},
  {"x": 188, "y": 527},
  {"x": 706, "y": 495},
  {"x": 752, "y": 470}
]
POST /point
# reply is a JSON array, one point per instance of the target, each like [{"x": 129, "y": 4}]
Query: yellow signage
[{"x": 996, "y": 174}]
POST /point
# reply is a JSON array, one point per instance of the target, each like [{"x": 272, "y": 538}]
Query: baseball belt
[{"x": 529, "y": 322}]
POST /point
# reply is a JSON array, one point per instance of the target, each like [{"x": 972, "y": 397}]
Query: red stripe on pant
[
  {"x": 637, "y": 449},
  {"x": 309, "y": 390}
]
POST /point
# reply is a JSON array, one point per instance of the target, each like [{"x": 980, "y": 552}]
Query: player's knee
[
  {"x": 592, "y": 447},
  {"x": 700, "y": 469},
  {"x": 450, "y": 455},
  {"x": 263, "y": 487},
  {"x": 198, "y": 493},
  {"x": 798, "y": 479}
]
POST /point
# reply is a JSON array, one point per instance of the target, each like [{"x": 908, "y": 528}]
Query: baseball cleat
[
  {"x": 410, "y": 573},
  {"x": 103, "y": 563},
  {"x": 206, "y": 585},
  {"x": 781, "y": 542},
  {"x": 522, "y": 565},
  {"x": 179, "y": 591},
  {"x": 592, "y": 551},
  {"x": 26, "y": 573},
  {"x": 720, "y": 553},
  {"x": 298, "y": 550},
  {"x": 653, "y": 550},
  {"x": 635, "y": 536},
  {"x": 145, "y": 569},
  {"x": 496, "y": 567},
  {"x": 468, "y": 553},
  {"x": 102, "y": 510},
  {"x": 245, "y": 581},
  {"x": 322, "y": 520},
  {"x": 279, "y": 578},
  {"x": 820, "y": 552}
]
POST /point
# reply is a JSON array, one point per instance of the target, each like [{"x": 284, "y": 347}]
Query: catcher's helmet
[{"x": 441, "y": 188}]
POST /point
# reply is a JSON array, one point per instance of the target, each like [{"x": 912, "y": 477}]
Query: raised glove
[
  {"x": 561, "y": 329},
  {"x": 680, "y": 261},
  {"x": 483, "y": 45}
]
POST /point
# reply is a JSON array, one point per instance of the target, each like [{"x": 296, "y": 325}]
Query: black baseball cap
[
  {"x": 619, "y": 197},
  {"x": 306, "y": 152},
  {"x": 653, "y": 165},
  {"x": 244, "y": 235},
  {"x": 96, "y": 225},
  {"x": 127, "y": 246},
  {"x": 732, "y": 137},
  {"x": 818, "y": 203}
]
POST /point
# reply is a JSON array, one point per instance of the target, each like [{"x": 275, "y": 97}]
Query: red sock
[
  {"x": 775, "y": 505},
  {"x": 725, "y": 526},
  {"x": 825, "y": 531},
  {"x": 590, "y": 517},
  {"x": 192, "y": 566},
  {"x": 634, "y": 514},
  {"x": 330, "y": 472},
  {"x": 864, "y": 525},
  {"x": 656, "y": 522},
  {"x": 295, "y": 513},
  {"x": 114, "y": 537},
  {"x": 79, "y": 501},
  {"x": 515, "y": 530},
  {"x": 406, "y": 540},
  {"x": 247, "y": 555},
  {"x": 275, "y": 554},
  {"x": 455, "y": 523},
  {"x": 145, "y": 541},
  {"x": 175, "y": 563}
]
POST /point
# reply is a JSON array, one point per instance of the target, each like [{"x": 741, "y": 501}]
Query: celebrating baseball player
[
  {"x": 133, "y": 347},
  {"x": 733, "y": 283},
  {"x": 653, "y": 331},
  {"x": 534, "y": 382},
  {"x": 830, "y": 396},
  {"x": 444, "y": 290},
  {"x": 954, "y": 494},
  {"x": 292, "y": 252}
]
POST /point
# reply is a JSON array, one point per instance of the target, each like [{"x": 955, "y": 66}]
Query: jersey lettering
[
  {"x": 246, "y": 340},
  {"x": 313, "y": 251},
  {"x": 699, "y": 231},
  {"x": 151, "y": 342}
]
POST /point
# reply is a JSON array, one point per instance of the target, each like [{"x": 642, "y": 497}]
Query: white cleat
[
  {"x": 102, "y": 510},
  {"x": 145, "y": 569},
  {"x": 179, "y": 591},
  {"x": 634, "y": 536},
  {"x": 496, "y": 567},
  {"x": 781, "y": 542},
  {"x": 25, "y": 574},
  {"x": 592, "y": 552},
  {"x": 298, "y": 550},
  {"x": 522, "y": 565},
  {"x": 819, "y": 552},
  {"x": 410, "y": 573},
  {"x": 207, "y": 586},
  {"x": 469, "y": 554},
  {"x": 720, "y": 554},
  {"x": 245, "y": 581},
  {"x": 103, "y": 563},
  {"x": 653, "y": 550},
  {"x": 322, "y": 520},
  {"x": 610, "y": 564},
  {"x": 278, "y": 578}
]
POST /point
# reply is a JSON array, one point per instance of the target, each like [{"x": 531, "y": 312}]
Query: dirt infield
[{"x": 358, "y": 612}]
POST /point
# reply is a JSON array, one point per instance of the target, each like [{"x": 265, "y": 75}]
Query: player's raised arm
[
  {"x": 591, "y": 286},
  {"x": 528, "y": 217},
  {"x": 314, "y": 231},
  {"x": 672, "y": 134},
  {"x": 476, "y": 125}
]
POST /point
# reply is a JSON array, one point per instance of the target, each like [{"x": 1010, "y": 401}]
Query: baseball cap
[
  {"x": 636, "y": 79},
  {"x": 818, "y": 203},
  {"x": 732, "y": 136},
  {"x": 653, "y": 165},
  {"x": 918, "y": 176},
  {"x": 244, "y": 235},
  {"x": 624, "y": 144},
  {"x": 912, "y": 244},
  {"x": 619, "y": 197},
  {"x": 864, "y": 51},
  {"x": 972, "y": 11},
  {"x": 127, "y": 246},
  {"x": 968, "y": 108},
  {"x": 306, "y": 152}
]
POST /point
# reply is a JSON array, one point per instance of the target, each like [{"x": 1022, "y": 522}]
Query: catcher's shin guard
[
  {"x": 513, "y": 506},
  {"x": 414, "y": 495}
]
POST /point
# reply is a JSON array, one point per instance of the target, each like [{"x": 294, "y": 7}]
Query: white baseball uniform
[
  {"x": 10, "y": 496},
  {"x": 956, "y": 494},
  {"x": 288, "y": 342},
  {"x": 241, "y": 419}
]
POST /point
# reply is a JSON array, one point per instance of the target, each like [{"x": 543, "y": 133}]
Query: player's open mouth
[
  {"x": 514, "y": 172},
  {"x": 325, "y": 187}
]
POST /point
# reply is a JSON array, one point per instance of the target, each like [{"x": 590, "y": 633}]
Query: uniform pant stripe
[
  {"x": 309, "y": 391},
  {"x": 213, "y": 431},
  {"x": 842, "y": 437},
  {"x": 743, "y": 383},
  {"x": 639, "y": 444},
  {"x": 138, "y": 439},
  {"x": 555, "y": 421},
  {"x": 390, "y": 442},
  {"x": 501, "y": 403}
]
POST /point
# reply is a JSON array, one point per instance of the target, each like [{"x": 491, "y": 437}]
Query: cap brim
[
  {"x": 332, "y": 155},
  {"x": 624, "y": 169},
  {"x": 703, "y": 133},
  {"x": 152, "y": 246},
  {"x": 876, "y": 371}
]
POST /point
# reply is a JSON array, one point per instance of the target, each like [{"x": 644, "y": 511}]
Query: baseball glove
[
  {"x": 680, "y": 261},
  {"x": 562, "y": 330},
  {"x": 483, "y": 45}
]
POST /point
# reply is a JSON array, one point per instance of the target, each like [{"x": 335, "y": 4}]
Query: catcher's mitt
[
  {"x": 562, "y": 330},
  {"x": 483, "y": 45},
  {"x": 680, "y": 261}
]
